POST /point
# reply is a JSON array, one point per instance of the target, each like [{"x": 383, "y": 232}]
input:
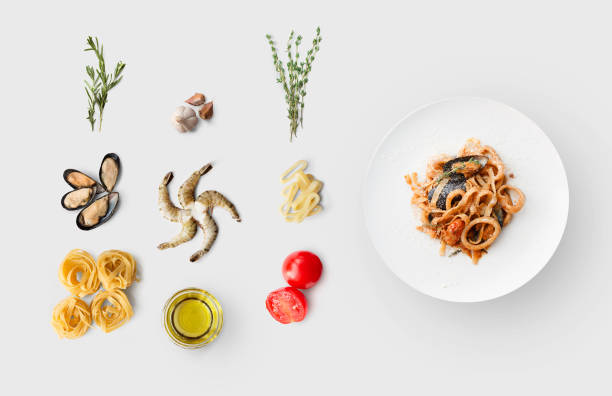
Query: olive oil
[{"x": 192, "y": 318}]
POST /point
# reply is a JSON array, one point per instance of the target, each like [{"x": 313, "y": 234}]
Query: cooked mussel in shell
[
  {"x": 98, "y": 212},
  {"x": 96, "y": 200},
  {"x": 466, "y": 166},
  {"x": 109, "y": 171},
  {"x": 446, "y": 186},
  {"x": 77, "y": 179},
  {"x": 78, "y": 198},
  {"x": 500, "y": 215},
  {"x": 455, "y": 173}
]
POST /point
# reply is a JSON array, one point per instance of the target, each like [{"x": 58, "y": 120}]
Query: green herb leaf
[
  {"x": 101, "y": 83},
  {"x": 294, "y": 76}
]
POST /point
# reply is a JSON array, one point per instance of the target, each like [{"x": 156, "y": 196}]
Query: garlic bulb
[{"x": 184, "y": 119}]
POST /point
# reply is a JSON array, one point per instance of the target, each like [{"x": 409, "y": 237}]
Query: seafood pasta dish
[{"x": 465, "y": 201}]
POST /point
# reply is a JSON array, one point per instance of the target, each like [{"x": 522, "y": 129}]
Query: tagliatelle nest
[
  {"x": 115, "y": 314},
  {"x": 78, "y": 273},
  {"x": 71, "y": 318},
  {"x": 116, "y": 269}
]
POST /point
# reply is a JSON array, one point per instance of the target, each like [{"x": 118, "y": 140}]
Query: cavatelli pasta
[{"x": 301, "y": 194}]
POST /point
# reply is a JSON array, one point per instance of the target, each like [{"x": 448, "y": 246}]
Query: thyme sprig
[
  {"x": 454, "y": 170},
  {"x": 455, "y": 252},
  {"x": 100, "y": 82},
  {"x": 294, "y": 76}
]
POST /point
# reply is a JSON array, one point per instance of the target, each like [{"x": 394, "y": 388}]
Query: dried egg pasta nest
[
  {"x": 115, "y": 314},
  {"x": 116, "y": 269},
  {"x": 71, "y": 318},
  {"x": 78, "y": 273}
]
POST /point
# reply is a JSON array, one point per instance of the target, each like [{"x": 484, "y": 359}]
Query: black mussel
[
  {"x": 77, "y": 179},
  {"x": 78, "y": 198},
  {"x": 109, "y": 171},
  {"x": 466, "y": 166},
  {"x": 98, "y": 212},
  {"x": 500, "y": 214},
  {"x": 446, "y": 186}
]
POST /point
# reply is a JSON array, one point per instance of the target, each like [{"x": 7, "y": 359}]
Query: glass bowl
[{"x": 192, "y": 318}]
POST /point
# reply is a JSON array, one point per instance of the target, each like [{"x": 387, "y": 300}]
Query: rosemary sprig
[
  {"x": 454, "y": 170},
  {"x": 294, "y": 76},
  {"x": 100, "y": 82},
  {"x": 91, "y": 88}
]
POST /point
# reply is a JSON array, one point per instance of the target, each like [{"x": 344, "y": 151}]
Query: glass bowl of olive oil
[{"x": 192, "y": 318}]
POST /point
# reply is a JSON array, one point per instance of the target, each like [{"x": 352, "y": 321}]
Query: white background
[{"x": 366, "y": 331}]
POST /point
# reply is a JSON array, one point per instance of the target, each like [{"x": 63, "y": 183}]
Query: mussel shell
[
  {"x": 109, "y": 171},
  {"x": 500, "y": 214},
  {"x": 482, "y": 160},
  {"x": 77, "y": 179},
  {"x": 455, "y": 182},
  {"x": 98, "y": 212},
  {"x": 78, "y": 198}
]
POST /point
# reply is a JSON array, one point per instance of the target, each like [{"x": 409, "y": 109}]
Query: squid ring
[
  {"x": 480, "y": 220},
  {"x": 506, "y": 201}
]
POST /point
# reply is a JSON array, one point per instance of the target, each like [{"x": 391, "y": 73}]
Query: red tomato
[
  {"x": 287, "y": 305},
  {"x": 302, "y": 269}
]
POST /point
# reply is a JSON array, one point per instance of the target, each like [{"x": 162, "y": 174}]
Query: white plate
[{"x": 522, "y": 249}]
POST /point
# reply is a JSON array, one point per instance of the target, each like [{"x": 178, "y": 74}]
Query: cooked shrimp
[{"x": 452, "y": 234}]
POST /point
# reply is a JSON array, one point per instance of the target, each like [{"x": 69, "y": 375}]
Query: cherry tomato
[
  {"x": 287, "y": 305},
  {"x": 302, "y": 269}
]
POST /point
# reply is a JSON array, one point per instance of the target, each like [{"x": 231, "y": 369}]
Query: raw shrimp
[{"x": 194, "y": 213}]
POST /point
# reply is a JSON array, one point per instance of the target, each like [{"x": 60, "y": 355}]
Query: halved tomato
[{"x": 287, "y": 305}]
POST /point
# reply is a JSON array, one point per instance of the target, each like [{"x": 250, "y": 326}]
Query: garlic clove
[
  {"x": 184, "y": 119},
  {"x": 196, "y": 100},
  {"x": 206, "y": 111}
]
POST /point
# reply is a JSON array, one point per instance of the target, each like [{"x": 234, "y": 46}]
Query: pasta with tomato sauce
[{"x": 465, "y": 201}]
